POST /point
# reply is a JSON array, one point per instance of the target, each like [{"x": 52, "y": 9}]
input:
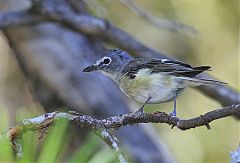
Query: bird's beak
[{"x": 90, "y": 68}]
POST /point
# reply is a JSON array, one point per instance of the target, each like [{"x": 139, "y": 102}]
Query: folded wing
[{"x": 180, "y": 69}]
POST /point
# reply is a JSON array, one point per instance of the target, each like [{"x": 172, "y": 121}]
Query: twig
[
  {"x": 18, "y": 18},
  {"x": 87, "y": 122},
  {"x": 43, "y": 122},
  {"x": 161, "y": 117},
  {"x": 113, "y": 143},
  {"x": 157, "y": 22},
  {"x": 115, "y": 122},
  {"x": 100, "y": 127}
]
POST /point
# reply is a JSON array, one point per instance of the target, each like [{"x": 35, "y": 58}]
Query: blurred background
[{"x": 216, "y": 43}]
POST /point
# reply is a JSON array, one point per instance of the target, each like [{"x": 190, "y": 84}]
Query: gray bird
[{"x": 149, "y": 80}]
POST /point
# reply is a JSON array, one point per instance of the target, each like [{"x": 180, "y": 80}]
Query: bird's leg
[
  {"x": 141, "y": 109},
  {"x": 174, "y": 112}
]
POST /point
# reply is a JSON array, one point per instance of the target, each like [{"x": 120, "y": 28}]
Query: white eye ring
[{"x": 105, "y": 60}]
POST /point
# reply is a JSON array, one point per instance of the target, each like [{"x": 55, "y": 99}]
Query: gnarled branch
[
  {"x": 100, "y": 127},
  {"x": 42, "y": 123}
]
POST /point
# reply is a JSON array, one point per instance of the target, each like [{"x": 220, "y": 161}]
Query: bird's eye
[{"x": 106, "y": 61}]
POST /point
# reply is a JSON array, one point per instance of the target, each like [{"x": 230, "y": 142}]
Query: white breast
[{"x": 159, "y": 86}]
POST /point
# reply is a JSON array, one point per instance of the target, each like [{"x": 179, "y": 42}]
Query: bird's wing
[{"x": 175, "y": 67}]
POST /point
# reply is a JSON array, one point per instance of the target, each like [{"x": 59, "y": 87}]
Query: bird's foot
[
  {"x": 139, "y": 112},
  {"x": 206, "y": 123},
  {"x": 173, "y": 114}
]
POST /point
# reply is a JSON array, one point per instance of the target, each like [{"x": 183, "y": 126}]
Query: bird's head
[{"x": 112, "y": 62}]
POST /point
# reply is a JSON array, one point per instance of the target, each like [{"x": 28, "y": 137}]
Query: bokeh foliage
[
  {"x": 53, "y": 146},
  {"x": 217, "y": 44}
]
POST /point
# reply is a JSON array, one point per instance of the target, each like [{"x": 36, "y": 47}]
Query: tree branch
[
  {"x": 115, "y": 122},
  {"x": 101, "y": 126},
  {"x": 18, "y": 18},
  {"x": 103, "y": 29},
  {"x": 161, "y": 117},
  {"x": 58, "y": 12},
  {"x": 42, "y": 123},
  {"x": 113, "y": 143},
  {"x": 158, "y": 22}
]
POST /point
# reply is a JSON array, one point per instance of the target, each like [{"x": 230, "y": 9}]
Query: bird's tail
[{"x": 198, "y": 81}]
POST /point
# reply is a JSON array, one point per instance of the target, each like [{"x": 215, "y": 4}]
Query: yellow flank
[{"x": 146, "y": 84}]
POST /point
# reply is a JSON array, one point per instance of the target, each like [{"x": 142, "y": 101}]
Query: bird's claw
[
  {"x": 139, "y": 111},
  {"x": 173, "y": 114}
]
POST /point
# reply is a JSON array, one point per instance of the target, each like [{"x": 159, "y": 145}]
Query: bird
[{"x": 149, "y": 80}]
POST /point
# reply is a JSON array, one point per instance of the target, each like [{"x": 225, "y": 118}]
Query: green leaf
[
  {"x": 87, "y": 150},
  {"x": 6, "y": 154},
  {"x": 54, "y": 142}
]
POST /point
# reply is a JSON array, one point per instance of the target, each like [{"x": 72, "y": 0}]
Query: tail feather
[
  {"x": 202, "y": 68},
  {"x": 198, "y": 81},
  {"x": 195, "y": 71}
]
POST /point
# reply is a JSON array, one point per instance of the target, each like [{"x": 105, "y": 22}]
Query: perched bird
[{"x": 149, "y": 80}]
